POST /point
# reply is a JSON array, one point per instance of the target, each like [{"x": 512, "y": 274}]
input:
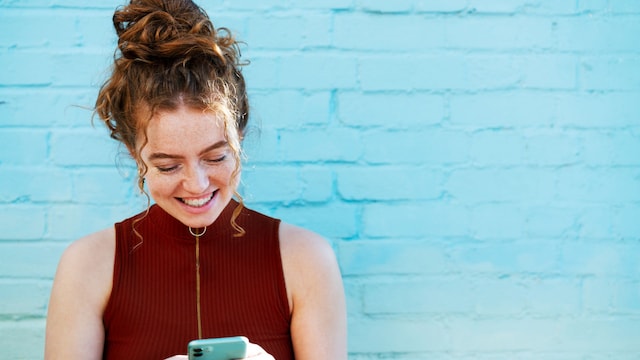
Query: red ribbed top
[{"x": 152, "y": 311}]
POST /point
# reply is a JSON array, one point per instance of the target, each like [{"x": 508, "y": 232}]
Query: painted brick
[
  {"x": 597, "y": 185},
  {"x": 435, "y": 295},
  {"x": 493, "y": 6},
  {"x": 398, "y": 6},
  {"x": 392, "y": 257},
  {"x": 440, "y": 6},
  {"x": 597, "y": 35},
  {"x": 352, "y": 31},
  {"x": 597, "y": 111},
  {"x": 391, "y": 335},
  {"x": 503, "y": 110},
  {"x": 60, "y": 107},
  {"x": 593, "y": 6},
  {"x": 595, "y": 221},
  {"x": 25, "y": 68},
  {"x": 554, "y": 149},
  {"x": 334, "y": 220},
  {"x": 392, "y": 111},
  {"x": 97, "y": 148},
  {"x": 33, "y": 154},
  {"x": 327, "y": 4},
  {"x": 554, "y": 296},
  {"x": 610, "y": 73},
  {"x": 318, "y": 71},
  {"x": 548, "y": 71},
  {"x": 528, "y": 7},
  {"x": 506, "y": 132},
  {"x": 71, "y": 68},
  {"x": 103, "y": 186},
  {"x": 624, "y": 222},
  {"x": 15, "y": 334},
  {"x": 433, "y": 147},
  {"x": 95, "y": 30},
  {"x": 606, "y": 295},
  {"x": 321, "y": 145},
  {"x": 549, "y": 7},
  {"x": 585, "y": 336},
  {"x": 502, "y": 185},
  {"x": 549, "y": 220},
  {"x": 442, "y": 72},
  {"x": 300, "y": 109},
  {"x": 14, "y": 304},
  {"x": 613, "y": 148},
  {"x": 34, "y": 260},
  {"x": 69, "y": 222},
  {"x": 624, "y": 7},
  {"x": 14, "y": 217},
  {"x": 498, "y": 33},
  {"x": 498, "y": 221},
  {"x": 599, "y": 258},
  {"x": 287, "y": 184},
  {"x": 274, "y": 32},
  {"x": 373, "y": 183},
  {"x": 263, "y": 72},
  {"x": 97, "y": 4},
  {"x": 491, "y": 147},
  {"x": 415, "y": 220},
  {"x": 34, "y": 184},
  {"x": 502, "y": 296},
  {"x": 36, "y": 28},
  {"x": 258, "y": 6},
  {"x": 499, "y": 257},
  {"x": 260, "y": 146}
]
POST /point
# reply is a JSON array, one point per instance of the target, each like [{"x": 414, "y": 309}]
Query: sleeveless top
[{"x": 152, "y": 312}]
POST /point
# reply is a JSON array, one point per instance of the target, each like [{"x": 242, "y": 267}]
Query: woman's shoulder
[
  {"x": 303, "y": 242},
  {"x": 93, "y": 247},
  {"x": 91, "y": 256},
  {"x": 305, "y": 253}
]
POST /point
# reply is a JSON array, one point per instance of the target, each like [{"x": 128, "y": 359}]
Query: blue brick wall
[{"x": 475, "y": 163}]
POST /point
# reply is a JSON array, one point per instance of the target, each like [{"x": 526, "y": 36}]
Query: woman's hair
[{"x": 169, "y": 54}]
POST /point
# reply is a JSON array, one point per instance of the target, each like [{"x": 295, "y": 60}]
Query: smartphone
[{"x": 226, "y": 348}]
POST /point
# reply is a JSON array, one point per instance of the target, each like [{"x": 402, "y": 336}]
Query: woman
[{"x": 196, "y": 264}]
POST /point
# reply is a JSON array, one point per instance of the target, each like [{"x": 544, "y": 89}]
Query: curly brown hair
[{"x": 169, "y": 54}]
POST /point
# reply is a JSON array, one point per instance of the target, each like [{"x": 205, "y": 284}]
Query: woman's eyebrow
[{"x": 161, "y": 155}]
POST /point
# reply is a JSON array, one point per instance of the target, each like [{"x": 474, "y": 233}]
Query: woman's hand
[{"x": 254, "y": 352}]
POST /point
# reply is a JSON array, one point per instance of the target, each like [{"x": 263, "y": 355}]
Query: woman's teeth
[{"x": 197, "y": 202}]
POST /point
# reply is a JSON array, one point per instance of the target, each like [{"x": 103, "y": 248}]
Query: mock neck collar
[{"x": 162, "y": 222}]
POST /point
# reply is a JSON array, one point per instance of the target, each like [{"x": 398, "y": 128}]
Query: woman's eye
[
  {"x": 166, "y": 169},
  {"x": 216, "y": 160}
]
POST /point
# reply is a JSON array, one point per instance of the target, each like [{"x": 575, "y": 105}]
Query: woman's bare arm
[
  {"x": 79, "y": 295},
  {"x": 314, "y": 284}
]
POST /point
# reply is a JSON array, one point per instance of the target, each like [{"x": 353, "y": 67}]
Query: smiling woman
[
  {"x": 196, "y": 264},
  {"x": 190, "y": 169}
]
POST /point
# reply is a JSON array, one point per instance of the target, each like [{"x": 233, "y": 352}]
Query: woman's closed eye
[
  {"x": 215, "y": 160},
  {"x": 167, "y": 169}
]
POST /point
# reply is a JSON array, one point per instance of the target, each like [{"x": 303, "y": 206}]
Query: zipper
[{"x": 198, "y": 307}]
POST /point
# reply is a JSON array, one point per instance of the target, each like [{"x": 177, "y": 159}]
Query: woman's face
[{"x": 190, "y": 165}]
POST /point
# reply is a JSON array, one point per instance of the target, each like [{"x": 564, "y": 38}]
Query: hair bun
[{"x": 156, "y": 30}]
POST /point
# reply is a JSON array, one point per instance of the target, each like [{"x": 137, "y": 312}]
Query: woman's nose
[{"x": 196, "y": 180}]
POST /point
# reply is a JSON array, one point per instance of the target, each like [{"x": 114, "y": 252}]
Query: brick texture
[{"x": 475, "y": 163}]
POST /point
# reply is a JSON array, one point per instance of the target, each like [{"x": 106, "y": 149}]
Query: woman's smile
[{"x": 197, "y": 202}]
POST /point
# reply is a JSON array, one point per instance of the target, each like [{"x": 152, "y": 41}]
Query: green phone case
[{"x": 218, "y": 348}]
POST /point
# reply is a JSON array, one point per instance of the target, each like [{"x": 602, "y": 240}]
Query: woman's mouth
[{"x": 198, "y": 202}]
